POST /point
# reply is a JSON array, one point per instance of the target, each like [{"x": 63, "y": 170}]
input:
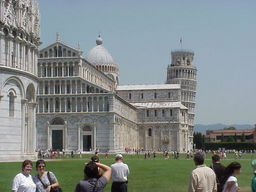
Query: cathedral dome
[{"x": 99, "y": 55}]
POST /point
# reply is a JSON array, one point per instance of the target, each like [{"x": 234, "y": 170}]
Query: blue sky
[{"x": 141, "y": 34}]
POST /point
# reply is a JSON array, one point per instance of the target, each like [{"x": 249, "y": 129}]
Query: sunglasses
[{"x": 41, "y": 166}]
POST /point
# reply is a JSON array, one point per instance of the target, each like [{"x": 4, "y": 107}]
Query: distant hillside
[{"x": 202, "y": 128}]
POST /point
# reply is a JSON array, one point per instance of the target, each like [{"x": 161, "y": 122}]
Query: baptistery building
[
  {"x": 19, "y": 41},
  {"x": 82, "y": 107}
]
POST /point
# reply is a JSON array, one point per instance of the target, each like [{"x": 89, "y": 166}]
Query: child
[{"x": 254, "y": 177}]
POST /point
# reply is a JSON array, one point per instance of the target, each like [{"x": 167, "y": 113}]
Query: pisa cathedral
[{"x": 56, "y": 98}]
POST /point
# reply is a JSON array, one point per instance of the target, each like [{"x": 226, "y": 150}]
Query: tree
[
  {"x": 230, "y": 139},
  {"x": 235, "y": 137},
  {"x": 243, "y": 138},
  {"x": 222, "y": 137},
  {"x": 230, "y": 128},
  {"x": 198, "y": 140}
]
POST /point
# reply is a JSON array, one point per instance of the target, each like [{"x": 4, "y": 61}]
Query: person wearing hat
[
  {"x": 120, "y": 172},
  {"x": 254, "y": 177}
]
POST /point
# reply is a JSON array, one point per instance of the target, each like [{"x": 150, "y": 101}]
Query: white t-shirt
[
  {"x": 120, "y": 172},
  {"x": 234, "y": 187},
  {"x": 23, "y": 183}
]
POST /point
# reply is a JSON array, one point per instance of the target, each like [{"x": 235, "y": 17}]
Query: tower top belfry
[{"x": 182, "y": 58}]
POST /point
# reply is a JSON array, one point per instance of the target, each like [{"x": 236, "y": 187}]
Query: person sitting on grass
[
  {"x": 231, "y": 184},
  {"x": 93, "y": 182}
]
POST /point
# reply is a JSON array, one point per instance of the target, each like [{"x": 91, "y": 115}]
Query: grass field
[{"x": 146, "y": 175}]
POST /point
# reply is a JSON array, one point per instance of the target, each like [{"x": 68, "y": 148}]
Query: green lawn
[{"x": 146, "y": 175}]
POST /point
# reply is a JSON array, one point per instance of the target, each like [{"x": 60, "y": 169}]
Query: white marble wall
[
  {"x": 134, "y": 96},
  {"x": 17, "y": 132}
]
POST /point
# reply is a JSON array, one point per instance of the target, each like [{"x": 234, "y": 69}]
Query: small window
[
  {"x": 170, "y": 112},
  {"x": 149, "y": 132},
  {"x": 57, "y": 105},
  {"x": 68, "y": 105},
  {"x": 169, "y": 95},
  {"x": 147, "y": 113},
  {"x": 11, "y": 104},
  {"x": 163, "y": 113},
  {"x": 46, "y": 89},
  {"x": 155, "y": 113},
  {"x": 130, "y": 96},
  {"x": 155, "y": 95},
  {"x": 141, "y": 95}
]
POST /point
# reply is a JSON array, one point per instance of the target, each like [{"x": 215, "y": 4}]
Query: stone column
[
  {"x": 66, "y": 136},
  {"x": 43, "y": 86},
  {"x": 62, "y": 69},
  {"x": 81, "y": 104},
  {"x": 76, "y": 103},
  {"x": 40, "y": 69},
  {"x": 86, "y": 104},
  {"x": 65, "y": 86},
  {"x": 48, "y": 136},
  {"x": 68, "y": 69},
  {"x": 79, "y": 139},
  {"x": 153, "y": 137},
  {"x": 53, "y": 104},
  {"x": 94, "y": 137},
  {"x": 103, "y": 104},
  {"x": 1, "y": 47},
  {"x": 71, "y": 106},
  {"x": 49, "y": 105},
  {"x": 65, "y": 104},
  {"x": 60, "y": 104},
  {"x": 51, "y": 65},
  {"x": 43, "y": 104},
  {"x": 92, "y": 104},
  {"x": 98, "y": 104},
  {"x": 71, "y": 86},
  {"x": 54, "y": 87}
]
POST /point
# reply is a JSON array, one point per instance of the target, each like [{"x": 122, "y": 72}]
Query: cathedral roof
[
  {"x": 155, "y": 105},
  {"x": 99, "y": 55},
  {"x": 147, "y": 87}
]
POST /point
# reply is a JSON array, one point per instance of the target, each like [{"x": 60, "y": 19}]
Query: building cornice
[{"x": 5, "y": 68}]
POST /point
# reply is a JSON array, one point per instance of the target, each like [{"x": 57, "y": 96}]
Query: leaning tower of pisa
[{"x": 182, "y": 71}]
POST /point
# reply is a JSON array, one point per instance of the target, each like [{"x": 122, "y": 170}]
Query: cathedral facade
[
  {"x": 55, "y": 98},
  {"x": 19, "y": 41},
  {"x": 82, "y": 107}
]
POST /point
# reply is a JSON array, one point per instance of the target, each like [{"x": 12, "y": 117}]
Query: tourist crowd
[
  {"x": 216, "y": 178},
  {"x": 96, "y": 177}
]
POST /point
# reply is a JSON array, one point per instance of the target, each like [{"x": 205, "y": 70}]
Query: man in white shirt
[
  {"x": 203, "y": 178},
  {"x": 120, "y": 172}
]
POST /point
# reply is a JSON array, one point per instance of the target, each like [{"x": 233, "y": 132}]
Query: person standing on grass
[
  {"x": 219, "y": 170},
  {"x": 45, "y": 181},
  {"x": 202, "y": 178},
  {"x": 230, "y": 180},
  {"x": 23, "y": 181},
  {"x": 92, "y": 181},
  {"x": 120, "y": 172}
]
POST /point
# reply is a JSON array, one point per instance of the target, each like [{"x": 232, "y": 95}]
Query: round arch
[
  {"x": 57, "y": 121},
  {"x": 15, "y": 81},
  {"x": 30, "y": 93}
]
